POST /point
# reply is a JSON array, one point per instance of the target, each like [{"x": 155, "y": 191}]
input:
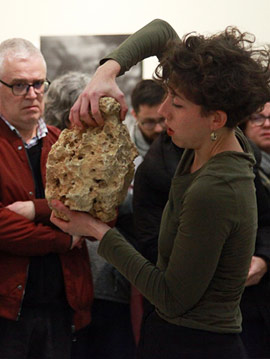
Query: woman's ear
[{"x": 219, "y": 120}]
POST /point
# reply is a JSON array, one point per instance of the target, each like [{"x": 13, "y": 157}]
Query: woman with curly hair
[{"x": 208, "y": 227}]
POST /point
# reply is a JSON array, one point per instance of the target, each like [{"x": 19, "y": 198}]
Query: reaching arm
[{"x": 149, "y": 41}]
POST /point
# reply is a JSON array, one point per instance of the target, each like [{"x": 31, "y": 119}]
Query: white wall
[{"x": 34, "y": 18}]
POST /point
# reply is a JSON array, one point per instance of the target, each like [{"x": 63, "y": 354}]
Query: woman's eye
[{"x": 177, "y": 105}]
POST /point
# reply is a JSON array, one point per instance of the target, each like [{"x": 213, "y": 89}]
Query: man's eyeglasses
[
  {"x": 20, "y": 89},
  {"x": 151, "y": 124},
  {"x": 258, "y": 120}
]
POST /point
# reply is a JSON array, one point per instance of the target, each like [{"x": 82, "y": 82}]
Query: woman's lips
[{"x": 170, "y": 132}]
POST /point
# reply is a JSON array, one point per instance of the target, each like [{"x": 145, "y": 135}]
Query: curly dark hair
[{"x": 221, "y": 72}]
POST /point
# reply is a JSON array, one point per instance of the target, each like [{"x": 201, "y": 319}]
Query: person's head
[
  {"x": 222, "y": 76},
  {"x": 62, "y": 94},
  {"x": 257, "y": 128},
  {"x": 146, "y": 98},
  {"x": 21, "y": 65}
]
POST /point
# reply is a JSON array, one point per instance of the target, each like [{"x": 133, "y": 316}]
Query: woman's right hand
[{"x": 102, "y": 84}]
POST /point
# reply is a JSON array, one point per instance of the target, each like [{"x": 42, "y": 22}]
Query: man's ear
[
  {"x": 133, "y": 113},
  {"x": 218, "y": 120}
]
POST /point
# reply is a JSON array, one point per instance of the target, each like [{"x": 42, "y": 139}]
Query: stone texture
[{"x": 90, "y": 170}]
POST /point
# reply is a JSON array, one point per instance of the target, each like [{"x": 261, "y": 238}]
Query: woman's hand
[
  {"x": 102, "y": 84},
  {"x": 79, "y": 224}
]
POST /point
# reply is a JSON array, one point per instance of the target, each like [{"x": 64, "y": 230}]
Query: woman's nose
[{"x": 163, "y": 108}]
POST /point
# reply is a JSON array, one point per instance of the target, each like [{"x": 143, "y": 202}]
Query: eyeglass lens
[
  {"x": 22, "y": 89},
  {"x": 259, "y": 120},
  {"x": 151, "y": 123}
]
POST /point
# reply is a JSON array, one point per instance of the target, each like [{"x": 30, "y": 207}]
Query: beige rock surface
[{"x": 90, "y": 170}]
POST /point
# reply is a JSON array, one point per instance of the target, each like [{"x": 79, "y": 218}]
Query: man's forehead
[{"x": 17, "y": 68}]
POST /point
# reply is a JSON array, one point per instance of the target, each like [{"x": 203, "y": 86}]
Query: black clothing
[
  {"x": 255, "y": 303},
  {"x": 45, "y": 332},
  {"x": 151, "y": 188},
  {"x": 163, "y": 340},
  {"x": 40, "y": 288},
  {"x": 106, "y": 337}
]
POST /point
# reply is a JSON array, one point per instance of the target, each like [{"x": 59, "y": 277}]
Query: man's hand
[
  {"x": 102, "y": 84},
  {"x": 257, "y": 269},
  {"x": 24, "y": 208},
  {"x": 77, "y": 241}
]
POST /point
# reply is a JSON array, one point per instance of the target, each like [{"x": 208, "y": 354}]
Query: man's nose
[
  {"x": 31, "y": 92},
  {"x": 158, "y": 128}
]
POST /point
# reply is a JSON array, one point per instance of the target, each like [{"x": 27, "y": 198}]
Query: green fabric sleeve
[{"x": 149, "y": 41}]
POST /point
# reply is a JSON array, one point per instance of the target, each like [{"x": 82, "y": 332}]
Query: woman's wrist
[
  {"x": 99, "y": 230},
  {"x": 110, "y": 67}
]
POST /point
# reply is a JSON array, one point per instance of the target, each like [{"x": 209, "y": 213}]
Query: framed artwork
[{"x": 82, "y": 53}]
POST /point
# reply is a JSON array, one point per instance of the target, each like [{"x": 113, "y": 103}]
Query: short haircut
[
  {"x": 147, "y": 92},
  {"x": 62, "y": 94},
  {"x": 221, "y": 72},
  {"x": 17, "y": 47}
]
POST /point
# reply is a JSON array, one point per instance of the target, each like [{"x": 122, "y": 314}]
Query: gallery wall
[{"x": 32, "y": 19}]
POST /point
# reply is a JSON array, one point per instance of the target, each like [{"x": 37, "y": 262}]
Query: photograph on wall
[{"x": 82, "y": 53}]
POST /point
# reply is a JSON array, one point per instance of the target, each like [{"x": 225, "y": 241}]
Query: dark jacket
[
  {"x": 151, "y": 188},
  {"x": 260, "y": 293},
  {"x": 21, "y": 238}
]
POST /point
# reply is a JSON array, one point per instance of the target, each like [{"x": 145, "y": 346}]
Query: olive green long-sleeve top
[
  {"x": 149, "y": 41},
  {"x": 206, "y": 242}
]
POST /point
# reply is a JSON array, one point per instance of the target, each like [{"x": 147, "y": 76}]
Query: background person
[
  {"x": 146, "y": 98},
  {"x": 46, "y": 289},
  {"x": 257, "y": 129},
  {"x": 255, "y": 303},
  {"x": 197, "y": 283}
]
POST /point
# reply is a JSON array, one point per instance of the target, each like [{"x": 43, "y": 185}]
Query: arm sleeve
[
  {"x": 149, "y": 41},
  {"x": 20, "y": 236},
  {"x": 42, "y": 211},
  {"x": 193, "y": 258}
]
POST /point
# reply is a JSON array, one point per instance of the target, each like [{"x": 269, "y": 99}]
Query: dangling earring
[{"x": 213, "y": 136}]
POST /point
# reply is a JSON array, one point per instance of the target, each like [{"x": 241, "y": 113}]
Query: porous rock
[{"x": 91, "y": 169}]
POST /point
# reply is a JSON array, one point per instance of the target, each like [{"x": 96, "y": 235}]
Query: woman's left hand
[{"x": 79, "y": 223}]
